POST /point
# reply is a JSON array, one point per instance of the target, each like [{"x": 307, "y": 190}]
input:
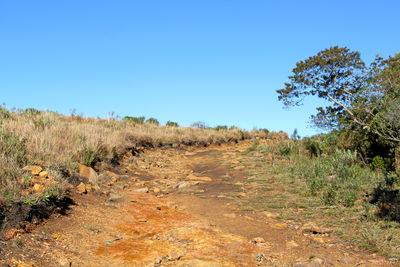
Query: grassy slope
[
  {"x": 57, "y": 142},
  {"x": 331, "y": 190}
]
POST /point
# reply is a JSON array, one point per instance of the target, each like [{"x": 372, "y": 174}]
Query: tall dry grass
[{"x": 61, "y": 141}]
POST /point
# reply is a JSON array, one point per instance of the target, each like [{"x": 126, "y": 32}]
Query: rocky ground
[{"x": 177, "y": 207}]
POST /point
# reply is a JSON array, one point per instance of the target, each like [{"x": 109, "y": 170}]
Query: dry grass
[{"x": 61, "y": 141}]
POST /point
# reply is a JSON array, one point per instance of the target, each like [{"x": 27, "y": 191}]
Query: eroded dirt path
[{"x": 177, "y": 208}]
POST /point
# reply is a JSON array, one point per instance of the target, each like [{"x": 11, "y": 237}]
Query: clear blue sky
[{"x": 217, "y": 61}]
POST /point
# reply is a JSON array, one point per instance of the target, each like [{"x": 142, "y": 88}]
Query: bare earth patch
[{"x": 154, "y": 215}]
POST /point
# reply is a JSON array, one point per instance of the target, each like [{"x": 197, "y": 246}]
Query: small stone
[
  {"x": 11, "y": 233},
  {"x": 230, "y": 215},
  {"x": 114, "y": 197},
  {"x": 33, "y": 169},
  {"x": 55, "y": 236},
  {"x": 63, "y": 262},
  {"x": 88, "y": 173},
  {"x": 156, "y": 190},
  {"x": 183, "y": 185},
  {"x": 242, "y": 194},
  {"x": 192, "y": 177},
  {"x": 89, "y": 188},
  {"x": 142, "y": 190},
  {"x": 281, "y": 225},
  {"x": 269, "y": 214},
  {"x": 314, "y": 229},
  {"x": 43, "y": 174},
  {"x": 258, "y": 240},
  {"x": 38, "y": 188},
  {"x": 81, "y": 188}
]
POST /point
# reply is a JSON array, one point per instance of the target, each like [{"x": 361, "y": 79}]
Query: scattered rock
[
  {"x": 156, "y": 190},
  {"x": 230, "y": 215},
  {"x": 191, "y": 177},
  {"x": 81, "y": 188},
  {"x": 33, "y": 169},
  {"x": 89, "y": 188},
  {"x": 242, "y": 194},
  {"x": 183, "y": 185},
  {"x": 258, "y": 240},
  {"x": 88, "y": 173},
  {"x": 11, "y": 233},
  {"x": 331, "y": 178},
  {"x": 269, "y": 214},
  {"x": 114, "y": 197},
  {"x": 314, "y": 229},
  {"x": 38, "y": 188},
  {"x": 280, "y": 225},
  {"x": 55, "y": 236},
  {"x": 43, "y": 174},
  {"x": 142, "y": 190},
  {"x": 63, "y": 262}
]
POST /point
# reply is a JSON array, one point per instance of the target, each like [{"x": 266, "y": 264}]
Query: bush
[
  {"x": 378, "y": 163},
  {"x": 221, "y": 128},
  {"x": 172, "y": 124},
  {"x": 153, "y": 121},
  {"x": 387, "y": 198},
  {"x": 12, "y": 159},
  {"x": 336, "y": 179},
  {"x": 139, "y": 120},
  {"x": 313, "y": 147},
  {"x": 4, "y": 113},
  {"x": 31, "y": 112}
]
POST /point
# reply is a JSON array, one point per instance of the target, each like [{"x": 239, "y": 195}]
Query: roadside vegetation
[
  {"x": 332, "y": 188},
  {"x": 57, "y": 143},
  {"x": 348, "y": 178}
]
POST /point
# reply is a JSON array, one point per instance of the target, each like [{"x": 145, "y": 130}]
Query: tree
[
  {"x": 367, "y": 98},
  {"x": 334, "y": 74}
]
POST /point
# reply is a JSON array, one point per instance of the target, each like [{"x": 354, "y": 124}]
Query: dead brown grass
[{"x": 59, "y": 141}]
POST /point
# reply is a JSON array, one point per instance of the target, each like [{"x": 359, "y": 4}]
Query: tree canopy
[{"x": 368, "y": 97}]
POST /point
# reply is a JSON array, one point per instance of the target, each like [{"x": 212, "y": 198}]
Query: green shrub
[
  {"x": 378, "y": 163},
  {"x": 336, "y": 179},
  {"x": 139, "y": 120},
  {"x": 42, "y": 122},
  {"x": 153, "y": 121},
  {"x": 31, "y": 112},
  {"x": 221, "y": 128},
  {"x": 285, "y": 151},
  {"x": 312, "y": 146},
  {"x": 4, "y": 113},
  {"x": 12, "y": 147},
  {"x": 172, "y": 124},
  {"x": 386, "y": 196}
]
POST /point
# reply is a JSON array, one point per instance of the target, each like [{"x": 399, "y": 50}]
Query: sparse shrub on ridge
[
  {"x": 221, "y": 128},
  {"x": 153, "y": 121},
  {"x": 139, "y": 120},
  {"x": 172, "y": 124}
]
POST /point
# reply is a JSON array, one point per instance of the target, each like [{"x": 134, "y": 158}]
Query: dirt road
[{"x": 171, "y": 207}]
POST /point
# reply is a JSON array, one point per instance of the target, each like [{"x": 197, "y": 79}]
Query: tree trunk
[{"x": 397, "y": 158}]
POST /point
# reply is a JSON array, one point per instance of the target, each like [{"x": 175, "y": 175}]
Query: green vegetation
[
  {"x": 333, "y": 188},
  {"x": 172, "y": 124}
]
